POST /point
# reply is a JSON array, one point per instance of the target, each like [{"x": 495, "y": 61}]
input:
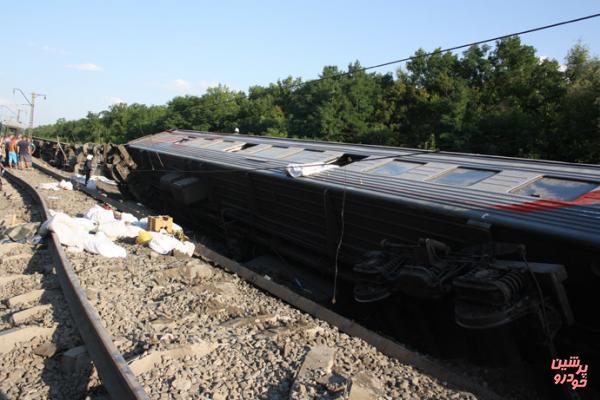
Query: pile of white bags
[{"x": 96, "y": 232}]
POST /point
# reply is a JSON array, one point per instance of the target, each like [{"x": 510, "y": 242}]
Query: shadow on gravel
[{"x": 279, "y": 391}]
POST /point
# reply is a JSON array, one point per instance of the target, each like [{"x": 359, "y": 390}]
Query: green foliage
[{"x": 503, "y": 100}]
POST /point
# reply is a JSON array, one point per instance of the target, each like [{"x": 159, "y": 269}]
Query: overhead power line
[{"x": 462, "y": 46}]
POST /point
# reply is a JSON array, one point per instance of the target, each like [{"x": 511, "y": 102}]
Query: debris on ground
[
  {"x": 20, "y": 233},
  {"x": 100, "y": 227},
  {"x": 94, "y": 178},
  {"x": 62, "y": 185}
]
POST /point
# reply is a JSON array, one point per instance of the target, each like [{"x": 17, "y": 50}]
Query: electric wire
[
  {"x": 462, "y": 46},
  {"x": 339, "y": 245}
]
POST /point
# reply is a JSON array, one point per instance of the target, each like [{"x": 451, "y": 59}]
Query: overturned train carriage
[{"x": 444, "y": 250}]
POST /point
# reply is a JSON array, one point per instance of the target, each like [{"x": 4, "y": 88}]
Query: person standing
[
  {"x": 87, "y": 168},
  {"x": 12, "y": 153},
  {"x": 24, "y": 147}
]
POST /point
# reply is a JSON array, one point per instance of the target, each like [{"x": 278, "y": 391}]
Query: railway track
[
  {"x": 34, "y": 320},
  {"x": 191, "y": 329},
  {"x": 46, "y": 317}
]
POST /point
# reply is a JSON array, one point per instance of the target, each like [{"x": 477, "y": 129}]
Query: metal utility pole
[{"x": 31, "y": 105}]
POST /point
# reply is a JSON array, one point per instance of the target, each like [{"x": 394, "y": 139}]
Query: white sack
[
  {"x": 118, "y": 229},
  {"x": 112, "y": 229},
  {"x": 100, "y": 244},
  {"x": 132, "y": 231},
  {"x": 65, "y": 185},
  {"x": 69, "y": 231},
  {"x": 187, "y": 248},
  {"x": 129, "y": 218},
  {"x": 164, "y": 244},
  {"x": 99, "y": 214},
  {"x": 88, "y": 224}
]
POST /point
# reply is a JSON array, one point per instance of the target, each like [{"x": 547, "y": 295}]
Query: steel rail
[{"x": 118, "y": 379}]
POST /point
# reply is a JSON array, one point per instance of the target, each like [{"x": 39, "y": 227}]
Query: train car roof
[{"x": 554, "y": 197}]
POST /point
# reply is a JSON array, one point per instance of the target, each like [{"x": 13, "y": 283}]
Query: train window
[
  {"x": 555, "y": 189},
  {"x": 464, "y": 176},
  {"x": 394, "y": 168}
]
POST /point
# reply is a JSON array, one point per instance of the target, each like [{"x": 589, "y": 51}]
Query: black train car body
[{"x": 497, "y": 241}]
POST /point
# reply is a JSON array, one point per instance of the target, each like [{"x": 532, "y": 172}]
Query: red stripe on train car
[{"x": 545, "y": 205}]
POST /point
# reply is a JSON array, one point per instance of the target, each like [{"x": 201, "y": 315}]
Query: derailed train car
[{"x": 463, "y": 246}]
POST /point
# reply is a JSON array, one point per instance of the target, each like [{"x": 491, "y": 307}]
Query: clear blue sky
[{"x": 86, "y": 55}]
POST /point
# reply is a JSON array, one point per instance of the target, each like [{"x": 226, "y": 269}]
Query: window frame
[
  {"x": 434, "y": 179},
  {"x": 528, "y": 184},
  {"x": 393, "y": 161}
]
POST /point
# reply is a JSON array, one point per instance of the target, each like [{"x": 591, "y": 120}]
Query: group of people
[{"x": 16, "y": 151}]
